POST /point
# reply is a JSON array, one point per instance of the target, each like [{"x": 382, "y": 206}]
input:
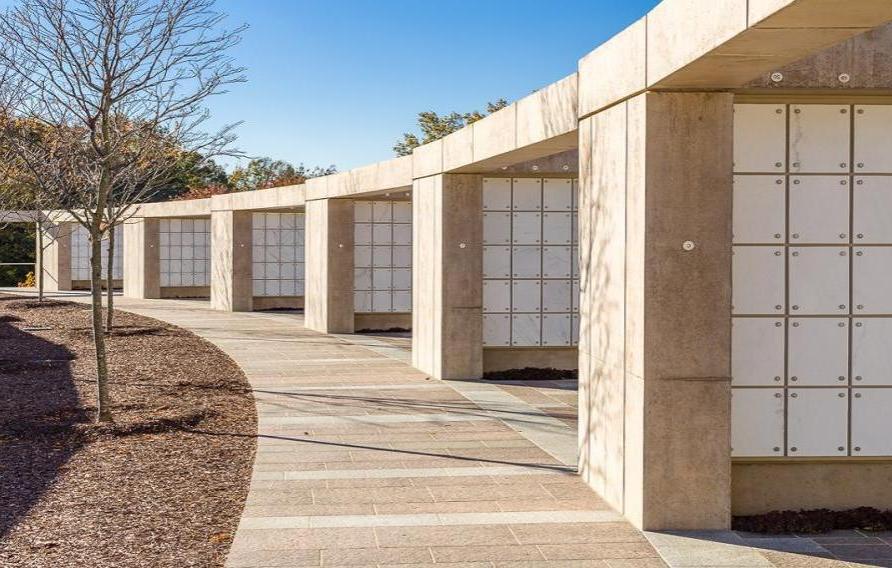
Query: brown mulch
[
  {"x": 815, "y": 521},
  {"x": 163, "y": 486},
  {"x": 532, "y": 374}
]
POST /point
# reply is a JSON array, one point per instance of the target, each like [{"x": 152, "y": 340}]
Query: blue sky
[{"x": 338, "y": 81}]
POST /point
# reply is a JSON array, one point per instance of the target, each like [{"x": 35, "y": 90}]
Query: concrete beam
[
  {"x": 381, "y": 176},
  {"x": 539, "y": 125},
  {"x": 863, "y": 60},
  {"x": 169, "y": 209},
  {"x": 717, "y": 44},
  {"x": 287, "y": 197}
]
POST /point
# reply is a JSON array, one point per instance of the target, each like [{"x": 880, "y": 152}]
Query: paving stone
[
  {"x": 485, "y": 553},
  {"x": 635, "y": 563},
  {"x": 302, "y": 539},
  {"x": 374, "y": 556},
  {"x": 860, "y": 551},
  {"x": 788, "y": 544},
  {"x": 552, "y": 564},
  {"x": 577, "y": 533},
  {"x": 444, "y": 536},
  {"x": 600, "y": 551},
  {"x": 274, "y": 559},
  {"x": 450, "y": 507},
  {"x": 364, "y": 461},
  {"x": 792, "y": 560}
]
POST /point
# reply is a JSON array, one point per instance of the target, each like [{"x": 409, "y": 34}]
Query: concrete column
[
  {"x": 231, "y": 263},
  {"x": 655, "y": 234},
  {"x": 142, "y": 264},
  {"x": 447, "y": 276},
  {"x": 328, "y": 249},
  {"x": 56, "y": 258}
]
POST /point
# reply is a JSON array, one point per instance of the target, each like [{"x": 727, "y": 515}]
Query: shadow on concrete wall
[{"x": 39, "y": 410}]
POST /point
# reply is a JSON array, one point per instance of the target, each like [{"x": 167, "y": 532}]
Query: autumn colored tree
[{"x": 204, "y": 192}]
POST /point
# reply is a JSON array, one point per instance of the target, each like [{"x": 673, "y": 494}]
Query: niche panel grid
[
  {"x": 185, "y": 252},
  {"x": 812, "y": 280},
  {"x": 278, "y": 254},
  {"x": 382, "y": 256},
  {"x": 80, "y": 254},
  {"x": 530, "y": 268}
]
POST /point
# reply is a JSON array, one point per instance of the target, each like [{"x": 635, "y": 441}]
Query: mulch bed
[
  {"x": 162, "y": 486},
  {"x": 532, "y": 374},
  {"x": 815, "y": 521}
]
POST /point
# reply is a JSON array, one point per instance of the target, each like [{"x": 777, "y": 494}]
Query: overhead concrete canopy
[{"x": 717, "y": 44}]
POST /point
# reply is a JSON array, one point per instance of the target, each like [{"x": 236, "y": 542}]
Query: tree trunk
[
  {"x": 103, "y": 406},
  {"x": 38, "y": 270},
  {"x": 109, "y": 281}
]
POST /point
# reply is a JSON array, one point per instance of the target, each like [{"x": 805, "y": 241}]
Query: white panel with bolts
[
  {"x": 496, "y": 262},
  {"x": 819, "y": 209},
  {"x": 759, "y": 132},
  {"x": 757, "y": 422},
  {"x": 872, "y": 352},
  {"x": 817, "y": 422},
  {"x": 757, "y": 352},
  {"x": 557, "y": 195},
  {"x": 872, "y": 201},
  {"x": 812, "y": 300},
  {"x": 758, "y": 280},
  {"x": 819, "y": 280},
  {"x": 873, "y": 123},
  {"x": 80, "y": 254},
  {"x": 819, "y": 138},
  {"x": 556, "y": 330},
  {"x": 278, "y": 254},
  {"x": 496, "y": 194},
  {"x": 497, "y": 329},
  {"x": 871, "y": 422},
  {"x": 818, "y": 351},
  {"x": 526, "y": 330},
  {"x": 872, "y": 280},
  {"x": 530, "y": 285},
  {"x": 759, "y": 215},
  {"x": 382, "y": 256}
]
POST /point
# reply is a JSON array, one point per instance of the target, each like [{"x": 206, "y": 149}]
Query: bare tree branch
[{"x": 97, "y": 100}]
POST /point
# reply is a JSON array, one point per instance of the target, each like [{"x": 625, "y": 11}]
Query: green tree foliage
[
  {"x": 16, "y": 245},
  {"x": 192, "y": 171},
  {"x": 434, "y": 126},
  {"x": 263, "y": 173}
]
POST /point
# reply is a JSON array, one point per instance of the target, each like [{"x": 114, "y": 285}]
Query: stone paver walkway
[{"x": 364, "y": 461}]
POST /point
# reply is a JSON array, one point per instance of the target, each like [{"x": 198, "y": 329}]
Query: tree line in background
[
  {"x": 434, "y": 126},
  {"x": 198, "y": 178}
]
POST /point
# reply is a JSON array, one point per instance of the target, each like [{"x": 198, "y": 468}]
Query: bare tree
[{"x": 118, "y": 86}]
